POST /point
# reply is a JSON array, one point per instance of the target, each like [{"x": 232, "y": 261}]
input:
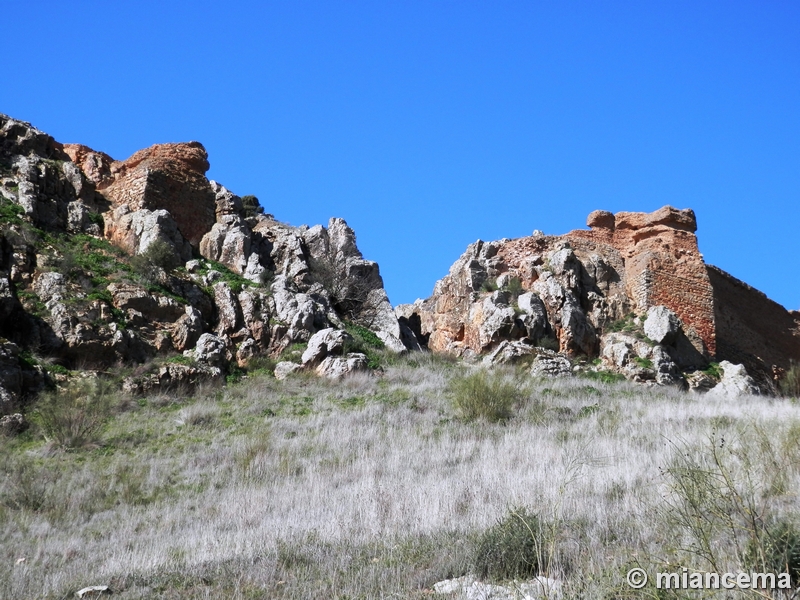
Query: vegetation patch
[
  {"x": 236, "y": 282},
  {"x": 790, "y": 384},
  {"x": 603, "y": 376},
  {"x": 484, "y": 395},
  {"x": 515, "y": 547},
  {"x": 73, "y": 418}
]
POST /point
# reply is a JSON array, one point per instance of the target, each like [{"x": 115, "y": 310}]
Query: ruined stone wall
[
  {"x": 169, "y": 177},
  {"x": 663, "y": 265},
  {"x": 752, "y": 329}
]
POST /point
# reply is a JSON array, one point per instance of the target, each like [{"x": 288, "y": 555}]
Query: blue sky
[{"x": 428, "y": 125}]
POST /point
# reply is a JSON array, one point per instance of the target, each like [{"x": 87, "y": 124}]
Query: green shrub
[
  {"x": 96, "y": 219},
  {"x": 514, "y": 548},
  {"x": 490, "y": 285},
  {"x": 790, "y": 384},
  {"x": 713, "y": 370},
  {"x": 251, "y": 206},
  {"x": 604, "y": 376},
  {"x": 27, "y": 484},
  {"x": 74, "y": 417},
  {"x": 549, "y": 342},
  {"x": 776, "y": 550},
  {"x": 261, "y": 365},
  {"x": 484, "y": 395},
  {"x": 513, "y": 287},
  {"x": 159, "y": 255},
  {"x": 236, "y": 282},
  {"x": 10, "y": 212}
]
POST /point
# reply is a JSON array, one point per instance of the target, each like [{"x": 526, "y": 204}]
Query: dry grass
[{"x": 371, "y": 487}]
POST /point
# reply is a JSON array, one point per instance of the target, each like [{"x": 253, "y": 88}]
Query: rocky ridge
[
  {"x": 631, "y": 296},
  {"x": 147, "y": 262},
  {"x": 147, "y": 267}
]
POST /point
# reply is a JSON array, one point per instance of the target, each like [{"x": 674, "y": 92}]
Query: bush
[
  {"x": 776, "y": 551},
  {"x": 159, "y": 255},
  {"x": 251, "y": 206},
  {"x": 790, "y": 384},
  {"x": 549, "y": 342},
  {"x": 74, "y": 417},
  {"x": 484, "y": 395},
  {"x": 514, "y": 548},
  {"x": 514, "y": 287},
  {"x": 490, "y": 285}
]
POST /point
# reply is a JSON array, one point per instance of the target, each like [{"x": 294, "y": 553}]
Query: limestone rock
[
  {"x": 534, "y": 317},
  {"x": 93, "y": 591},
  {"x": 509, "y": 352},
  {"x": 153, "y": 307},
  {"x": 325, "y": 343},
  {"x": 586, "y": 280},
  {"x": 468, "y": 588},
  {"x": 135, "y": 230},
  {"x": 735, "y": 381},
  {"x": 187, "y": 329},
  {"x": 14, "y": 424},
  {"x": 210, "y": 349},
  {"x": 700, "y": 382},
  {"x": 335, "y": 367},
  {"x": 550, "y": 364},
  {"x": 493, "y": 320},
  {"x": 662, "y": 325},
  {"x": 285, "y": 368},
  {"x": 229, "y": 313}
]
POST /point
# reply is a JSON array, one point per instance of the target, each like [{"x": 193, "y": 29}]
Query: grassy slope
[{"x": 368, "y": 488}]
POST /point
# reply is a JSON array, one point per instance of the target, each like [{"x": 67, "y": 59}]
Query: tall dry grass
[{"x": 373, "y": 487}]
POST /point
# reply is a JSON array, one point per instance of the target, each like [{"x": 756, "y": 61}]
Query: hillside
[{"x": 200, "y": 401}]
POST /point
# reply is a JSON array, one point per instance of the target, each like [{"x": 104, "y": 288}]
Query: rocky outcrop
[
  {"x": 577, "y": 291},
  {"x": 258, "y": 287}
]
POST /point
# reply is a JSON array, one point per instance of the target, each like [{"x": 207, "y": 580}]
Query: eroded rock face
[
  {"x": 105, "y": 312},
  {"x": 585, "y": 280}
]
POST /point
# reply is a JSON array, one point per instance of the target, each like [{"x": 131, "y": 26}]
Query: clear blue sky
[{"x": 428, "y": 125}]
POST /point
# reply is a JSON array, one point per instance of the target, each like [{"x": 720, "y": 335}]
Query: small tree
[{"x": 251, "y": 206}]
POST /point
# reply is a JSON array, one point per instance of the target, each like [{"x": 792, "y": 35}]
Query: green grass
[
  {"x": 603, "y": 376},
  {"x": 366, "y": 342},
  {"x": 236, "y": 282}
]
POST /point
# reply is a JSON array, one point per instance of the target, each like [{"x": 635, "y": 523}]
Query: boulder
[
  {"x": 187, "y": 329},
  {"x": 210, "y": 350},
  {"x": 325, "y": 343},
  {"x": 735, "y": 381},
  {"x": 550, "y": 364},
  {"x": 493, "y": 320},
  {"x": 135, "y": 230},
  {"x": 153, "y": 307},
  {"x": 469, "y": 588},
  {"x": 286, "y": 368},
  {"x": 93, "y": 591},
  {"x": 14, "y": 424},
  {"x": 509, "y": 352},
  {"x": 229, "y": 313},
  {"x": 661, "y": 325},
  {"x": 335, "y": 367},
  {"x": 533, "y": 317},
  {"x": 700, "y": 382}
]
